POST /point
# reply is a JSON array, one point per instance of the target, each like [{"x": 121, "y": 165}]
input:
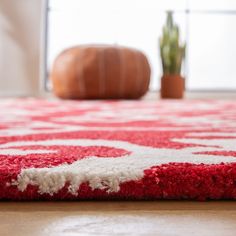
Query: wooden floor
[{"x": 163, "y": 218}]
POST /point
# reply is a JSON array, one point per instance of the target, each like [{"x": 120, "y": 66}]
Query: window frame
[{"x": 45, "y": 35}]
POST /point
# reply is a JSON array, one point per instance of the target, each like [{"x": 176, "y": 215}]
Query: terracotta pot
[
  {"x": 172, "y": 86},
  {"x": 100, "y": 72}
]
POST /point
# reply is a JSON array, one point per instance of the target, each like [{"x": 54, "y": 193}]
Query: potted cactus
[{"x": 172, "y": 55}]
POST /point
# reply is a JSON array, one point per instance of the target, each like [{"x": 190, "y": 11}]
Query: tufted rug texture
[{"x": 103, "y": 150}]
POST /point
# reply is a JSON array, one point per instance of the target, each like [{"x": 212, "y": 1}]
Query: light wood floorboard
[{"x": 165, "y": 218}]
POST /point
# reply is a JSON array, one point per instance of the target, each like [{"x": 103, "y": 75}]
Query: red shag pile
[{"x": 69, "y": 150}]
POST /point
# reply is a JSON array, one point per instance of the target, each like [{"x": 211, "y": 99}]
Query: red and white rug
[{"x": 66, "y": 150}]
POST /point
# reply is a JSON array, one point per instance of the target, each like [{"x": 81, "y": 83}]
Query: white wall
[{"x": 20, "y": 47}]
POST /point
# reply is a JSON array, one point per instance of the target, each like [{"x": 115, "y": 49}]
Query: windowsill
[
  {"x": 197, "y": 95},
  {"x": 149, "y": 96}
]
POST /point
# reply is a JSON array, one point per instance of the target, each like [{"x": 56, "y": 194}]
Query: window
[{"x": 207, "y": 26}]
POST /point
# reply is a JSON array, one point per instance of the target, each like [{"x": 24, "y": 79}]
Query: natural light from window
[{"x": 208, "y": 27}]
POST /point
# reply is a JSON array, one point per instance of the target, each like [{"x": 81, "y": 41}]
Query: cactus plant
[{"x": 172, "y": 52}]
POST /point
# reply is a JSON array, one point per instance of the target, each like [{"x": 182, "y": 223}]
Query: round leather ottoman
[{"x": 100, "y": 72}]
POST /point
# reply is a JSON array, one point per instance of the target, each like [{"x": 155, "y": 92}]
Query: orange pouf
[{"x": 100, "y": 72}]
